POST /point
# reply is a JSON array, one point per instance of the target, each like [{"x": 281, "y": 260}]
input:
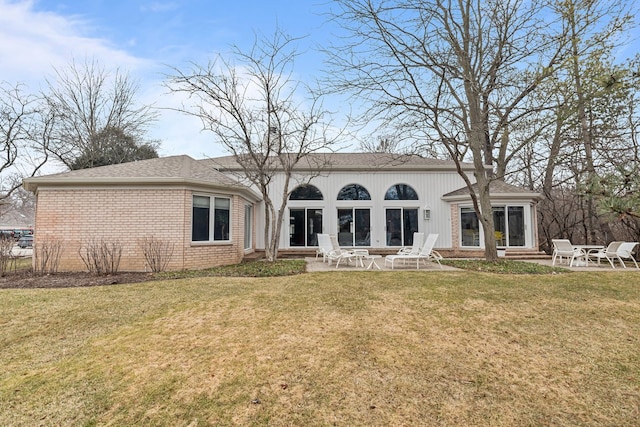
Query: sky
[{"x": 146, "y": 38}]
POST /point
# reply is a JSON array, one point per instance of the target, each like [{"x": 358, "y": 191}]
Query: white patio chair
[
  {"x": 610, "y": 253},
  {"x": 426, "y": 254},
  {"x": 324, "y": 246},
  {"x": 418, "y": 241},
  {"x": 337, "y": 253},
  {"x": 562, "y": 248},
  {"x": 625, "y": 251}
]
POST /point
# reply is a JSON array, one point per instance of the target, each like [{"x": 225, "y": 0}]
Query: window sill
[{"x": 212, "y": 243}]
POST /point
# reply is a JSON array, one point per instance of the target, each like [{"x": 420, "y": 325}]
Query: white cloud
[
  {"x": 32, "y": 43},
  {"x": 158, "y": 6}
]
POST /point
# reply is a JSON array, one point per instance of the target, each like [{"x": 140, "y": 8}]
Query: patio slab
[{"x": 315, "y": 265}]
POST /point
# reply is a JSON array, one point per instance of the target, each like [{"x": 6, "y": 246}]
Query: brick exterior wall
[
  {"x": 126, "y": 216},
  {"x": 455, "y": 227}
]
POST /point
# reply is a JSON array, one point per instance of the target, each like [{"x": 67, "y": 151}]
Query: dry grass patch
[{"x": 389, "y": 348}]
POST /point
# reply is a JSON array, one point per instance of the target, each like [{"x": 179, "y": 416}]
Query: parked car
[
  {"x": 19, "y": 232},
  {"x": 26, "y": 242}
]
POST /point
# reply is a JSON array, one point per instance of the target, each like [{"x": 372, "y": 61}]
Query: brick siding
[{"x": 127, "y": 216}]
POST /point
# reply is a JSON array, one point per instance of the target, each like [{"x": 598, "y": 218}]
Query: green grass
[
  {"x": 504, "y": 266},
  {"x": 336, "y": 348},
  {"x": 258, "y": 268}
]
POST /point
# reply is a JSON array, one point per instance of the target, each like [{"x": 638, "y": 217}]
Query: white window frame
[
  {"x": 248, "y": 227},
  {"x": 526, "y": 219},
  {"x": 212, "y": 200}
]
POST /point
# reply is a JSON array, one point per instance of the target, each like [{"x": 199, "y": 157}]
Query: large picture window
[
  {"x": 508, "y": 224},
  {"x": 211, "y": 219}
]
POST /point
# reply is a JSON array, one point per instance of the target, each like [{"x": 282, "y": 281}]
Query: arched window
[
  {"x": 306, "y": 192},
  {"x": 401, "y": 192},
  {"x": 354, "y": 192}
]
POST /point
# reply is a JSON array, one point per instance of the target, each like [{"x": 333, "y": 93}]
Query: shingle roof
[
  {"x": 164, "y": 170},
  {"x": 496, "y": 188},
  {"x": 357, "y": 161}
]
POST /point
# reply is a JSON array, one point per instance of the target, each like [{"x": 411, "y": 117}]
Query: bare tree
[
  {"x": 255, "y": 110},
  {"x": 23, "y": 138},
  {"x": 458, "y": 74},
  {"x": 591, "y": 134},
  {"x": 87, "y": 102}
]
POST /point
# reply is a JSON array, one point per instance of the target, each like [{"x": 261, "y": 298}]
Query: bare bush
[
  {"x": 101, "y": 256},
  {"x": 47, "y": 253},
  {"x": 6, "y": 246},
  {"x": 157, "y": 253}
]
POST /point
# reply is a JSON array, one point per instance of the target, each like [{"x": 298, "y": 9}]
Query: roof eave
[
  {"x": 496, "y": 196},
  {"x": 32, "y": 184}
]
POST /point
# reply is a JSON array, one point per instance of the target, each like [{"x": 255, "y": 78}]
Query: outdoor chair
[
  {"x": 326, "y": 249},
  {"x": 336, "y": 253},
  {"x": 418, "y": 241},
  {"x": 610, "y": 253},
  {"x": 562, "y": 248},
  {"x": 625, "y": 251},
  {"x": 324, "y": 246},
  {"x": 426, "y": 254}
]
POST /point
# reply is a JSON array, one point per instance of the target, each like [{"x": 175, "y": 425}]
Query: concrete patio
[{"x": 316, "y": 264}]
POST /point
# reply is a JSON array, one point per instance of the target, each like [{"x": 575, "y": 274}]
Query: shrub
[
  {"x": 6, "y": 246},
  {"x": 47, "y": 253},
  {"x": 157, "y": 253},
  {"x": 101, "y": 256}
]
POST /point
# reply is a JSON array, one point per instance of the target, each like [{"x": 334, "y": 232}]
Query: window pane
[
  {"x": 470, "y": 227},
  {"x": 363, "y": 220},
  {"x": 499, "y": 225},
  {"x": 223, "y": 203},
  {"x": 296, "y": 227},
  {"x": 401, "y": 192},
  {"x": 345, "y": 227},
  {"x": 248, "y": 226},
  {"x": 314, "y": 219},
  {"x": 394, "y": 227},
  {"x": 354, "y": 192},
  {"x": 410, "y": 218},
  {"x": 516, "y": 226},
  {"x": 306, "y": 192},
  {"x": 201, "y": 202},
  {"x": 200, "y": 218},
  {"x": 221, "y": 220}
]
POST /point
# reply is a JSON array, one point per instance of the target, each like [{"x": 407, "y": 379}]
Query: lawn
[{"x": 338, "y": 348}]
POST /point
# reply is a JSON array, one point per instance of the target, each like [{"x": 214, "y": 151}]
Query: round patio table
[{"x": 584, "y": 249}]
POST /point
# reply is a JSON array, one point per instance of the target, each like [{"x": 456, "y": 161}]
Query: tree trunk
[{"x": 585, "y": 131}]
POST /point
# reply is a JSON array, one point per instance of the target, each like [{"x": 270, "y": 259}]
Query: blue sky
[{"x": 145, "y": 37}]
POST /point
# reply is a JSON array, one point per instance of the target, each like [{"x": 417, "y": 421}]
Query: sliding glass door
[
  {"x": 354, "y": 226},
  {"x": 304, "y": 226},
  {"x": 401, "y": 224}
]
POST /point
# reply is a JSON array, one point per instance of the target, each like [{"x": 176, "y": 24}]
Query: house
[
  {"x": 369, "y": 200},
  {"x": 161, "y": 198}
]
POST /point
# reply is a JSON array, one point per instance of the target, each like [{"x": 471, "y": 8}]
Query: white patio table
[
  {"x": 358, "y": 255},
  {"x": 584, "y": 249}
]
